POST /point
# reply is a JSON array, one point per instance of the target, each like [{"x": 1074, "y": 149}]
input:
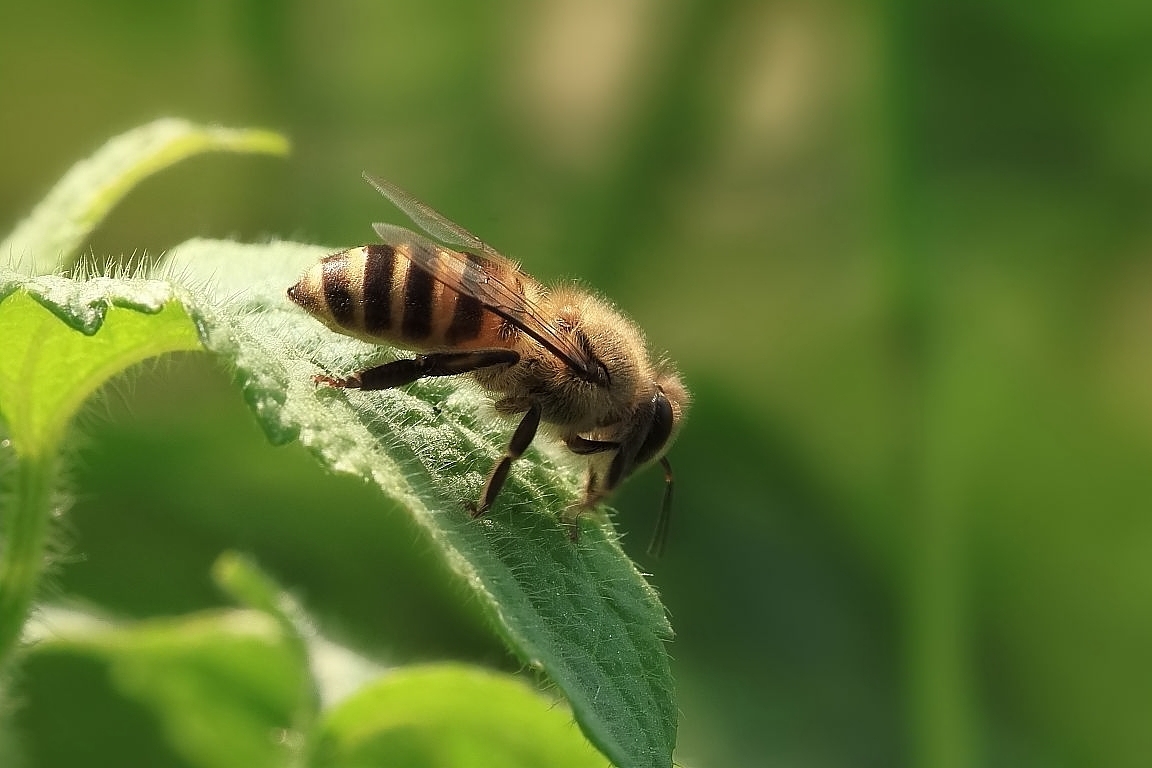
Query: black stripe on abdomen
[
  {"x": 336, "y": 290},
  {"x": 468, "y": 316},
  {"x": 417, "y": 321},
  {"x": 466, "y": 320},
  {"x": 379, "y": 262}
]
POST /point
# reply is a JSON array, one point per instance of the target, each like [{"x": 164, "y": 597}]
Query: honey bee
[{"x": 561, "y": 357}]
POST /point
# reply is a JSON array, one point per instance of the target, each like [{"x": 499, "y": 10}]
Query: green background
[{"x": 902, "y": 253}]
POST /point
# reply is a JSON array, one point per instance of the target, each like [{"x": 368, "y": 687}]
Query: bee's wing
[
  {"x": 478, "y": 277},
  {"x": 430, "y": 220}
]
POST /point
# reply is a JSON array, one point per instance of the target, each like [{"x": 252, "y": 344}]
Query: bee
[{"x": 560, "y": 358}]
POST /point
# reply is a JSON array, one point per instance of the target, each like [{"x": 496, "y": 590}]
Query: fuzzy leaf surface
[
  {"x": 62, "y": 339},
  {"x": 579, "y": 612}
]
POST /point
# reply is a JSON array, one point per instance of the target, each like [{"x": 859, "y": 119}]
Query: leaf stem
[
  {"x": 22, "y": 557},
  {"x": 935, "y": 623}
]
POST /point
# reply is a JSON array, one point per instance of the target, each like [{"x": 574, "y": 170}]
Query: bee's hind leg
[
  {"x": 400, "y": 372},
  {"x": 519, "y": 443}
]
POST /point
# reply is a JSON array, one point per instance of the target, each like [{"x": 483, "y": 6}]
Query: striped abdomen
[{"x": 376, "y": 293}]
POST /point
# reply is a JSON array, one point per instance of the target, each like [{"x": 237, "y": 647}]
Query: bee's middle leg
[
  {"x": 519, "y": 443},
  {"x": 400, "y": 372}
]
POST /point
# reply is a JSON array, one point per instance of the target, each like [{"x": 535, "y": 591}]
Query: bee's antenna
[{"x": 660, "y": 535}]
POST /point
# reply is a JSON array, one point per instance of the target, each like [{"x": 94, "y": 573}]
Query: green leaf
[
  {"x": 578, "y": 611},
  {"x": 63, "y": 339},
  {"x": 225, "y": 685},
  {"x": 48, "y": 239},
  {"x": 335, "y": 670},
  {"x": 243, "y": 580},
  {"x": 450, "y": 714}
]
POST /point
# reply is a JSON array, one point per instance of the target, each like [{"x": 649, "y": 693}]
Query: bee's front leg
[
  {"x": 582, "y": 446},
  {"x": 400, "y": 372}
]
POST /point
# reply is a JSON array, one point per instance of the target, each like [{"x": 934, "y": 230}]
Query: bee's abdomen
[{"x": 376, "y": 293}]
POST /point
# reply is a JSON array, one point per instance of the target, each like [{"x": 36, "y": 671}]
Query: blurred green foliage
[{"x": 902, "y": 252}]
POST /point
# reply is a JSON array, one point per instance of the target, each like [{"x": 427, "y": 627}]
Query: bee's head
[
  {"x": 663, "y": 416},
  {"x": 647, "y": 438}
]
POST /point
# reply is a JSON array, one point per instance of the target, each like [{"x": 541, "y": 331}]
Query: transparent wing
[
  {"x": 430, "y": 220},
  {"x": 499, "y": 286}
]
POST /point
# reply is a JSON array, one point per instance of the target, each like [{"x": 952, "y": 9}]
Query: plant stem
[
  {"x": 935, "y": 650},
  {"x": 22, "y": 558}
]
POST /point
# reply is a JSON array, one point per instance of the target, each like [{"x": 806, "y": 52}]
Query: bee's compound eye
[{"x": 660, "y": 430}]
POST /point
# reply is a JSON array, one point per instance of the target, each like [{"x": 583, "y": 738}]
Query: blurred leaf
[
  {"x": 241, "y": 578},
  {"x": 450, "y": 715},
  {"x": 336, "y": 671},
  {"x": 47, "y": 240},
  {"x": 225, "y": 685},
  {"x": 246, "y": 583}
]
